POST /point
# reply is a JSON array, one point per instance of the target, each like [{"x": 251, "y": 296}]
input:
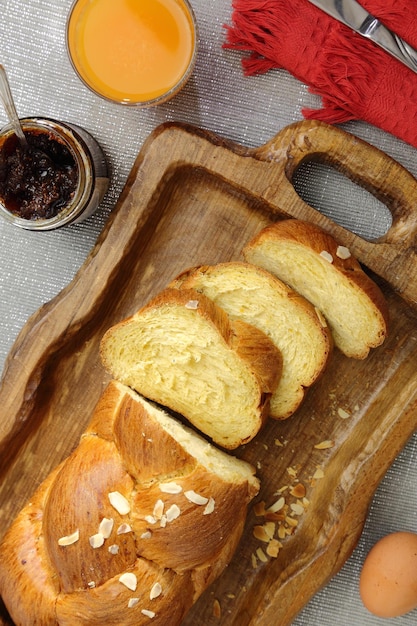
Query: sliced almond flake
[
  {"x": 277, "y": 506},
  {"x": 259, "y": 533},
  {"x": 124, "y": 528},
  {"x": 282, "y": 489},
  {"x": 172, "y": 488},
  {"x": 326, "y": 256},
  {"x": 132, "y": 602},
  {"x": 209, "y": 507},
  {"x": 270, "y": 529},
  {"x": 173, "y": 512},
  {"x": 163, "y": 521},
  {"x": 91, "y": 584},
  {"x": 259, "y": 508},
  {"x": 150, "y": 519},
  {"x": 158, "y": 509},
  {"x": 69, "y": 539},
  {"x": 96, "y": 541},
  {"x": 318, "y": 473},
  {"x": 292, "y": 471},
  {"x": 306, "y": 502},
  {"x": 298, "y": 491},
  {"x": 217, "y": 611},
  {"x": 293, "y": 523},
  {"x": 281, "y": 531},
  {"x": 192, "y": 304},
  {"x": 146, "y": 535},
  {"x": 114, "y": 549},
  {"x": 342, "y": 252},
  {"x": 261, "y": 555},
  {"x": 297, "y": 509},
  {"x": 254, "y": 561},
  {"x": 323, "y": 445},
  {"x": 106, "y": 527},
  {"x": 119, "y": 502},
  {"x": 277, "y": 517},
  {"x": 155, "y": 591},
  {"x": 195, "y": 498},
  {"x": 129, "y": 580},
  {"x": 147, "y": 613},
  {"x": 273, "y": 548},
  {"x": 343, "y": 414}
]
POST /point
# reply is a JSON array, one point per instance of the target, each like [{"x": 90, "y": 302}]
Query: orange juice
[{"x": 132, "y": 51}]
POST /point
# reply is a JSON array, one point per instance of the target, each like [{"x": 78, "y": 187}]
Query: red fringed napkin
[{"x": 354, "y": 77}]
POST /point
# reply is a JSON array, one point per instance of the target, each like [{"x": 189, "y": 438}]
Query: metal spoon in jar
[{"x": 10, "y": 108}]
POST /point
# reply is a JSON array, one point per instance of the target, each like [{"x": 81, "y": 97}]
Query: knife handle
[{"x": 391, "y": 256}]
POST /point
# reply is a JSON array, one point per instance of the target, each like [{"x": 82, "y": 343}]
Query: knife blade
[{"x": 352, "y": 14}]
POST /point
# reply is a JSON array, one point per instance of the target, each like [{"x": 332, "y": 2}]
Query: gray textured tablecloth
[{"x": 36, "y": 266}]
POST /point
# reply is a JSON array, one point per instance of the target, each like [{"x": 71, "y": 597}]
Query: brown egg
[{"x": 388, "y": 582}]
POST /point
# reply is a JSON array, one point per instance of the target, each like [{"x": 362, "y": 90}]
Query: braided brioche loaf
[{"x": 130, "y": 528}]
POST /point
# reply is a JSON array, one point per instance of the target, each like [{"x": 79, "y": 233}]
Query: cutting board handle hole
[{"x": 332, "y": 193}]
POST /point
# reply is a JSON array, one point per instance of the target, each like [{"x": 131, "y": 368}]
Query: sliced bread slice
[
  {"x": 255, "y": 296},
  {"x": 182, "y": 351},
  {"x": 313, "y": 263}
]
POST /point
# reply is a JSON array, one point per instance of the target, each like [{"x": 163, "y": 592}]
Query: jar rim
[{"x": 85, "y": 174}]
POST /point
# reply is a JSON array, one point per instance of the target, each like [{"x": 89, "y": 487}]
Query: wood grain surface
[{"x": 193, "y": 198}]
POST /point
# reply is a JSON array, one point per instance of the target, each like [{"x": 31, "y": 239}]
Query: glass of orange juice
[{"x": 133, "y": 52}]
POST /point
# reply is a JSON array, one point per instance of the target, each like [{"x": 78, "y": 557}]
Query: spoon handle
[{"x": 9, "y": 106}]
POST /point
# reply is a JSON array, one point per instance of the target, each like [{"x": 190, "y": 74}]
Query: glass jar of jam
[{"x": 59, "y": 178}]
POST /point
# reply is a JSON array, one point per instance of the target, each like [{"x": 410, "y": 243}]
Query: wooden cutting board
[{"x": 193, "y": 198}]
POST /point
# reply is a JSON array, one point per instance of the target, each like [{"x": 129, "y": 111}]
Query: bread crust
[
  {"x": 266, "y": 250},
  {"x": 249, "y": 293},
  {"x": 128, "y": 447},
  {"x": 204, "y": 352}
]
